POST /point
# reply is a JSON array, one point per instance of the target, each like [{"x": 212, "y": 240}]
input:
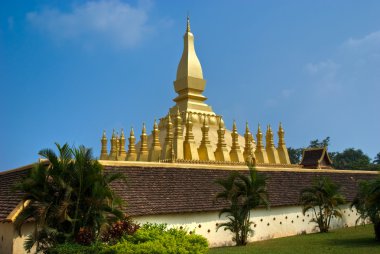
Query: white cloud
[
  {"x": 372, "y": 40},
  {"x": 92, "y": 23},
  {"x": 329, "y": 67}
]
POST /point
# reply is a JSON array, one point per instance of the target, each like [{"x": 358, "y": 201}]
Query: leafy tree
[
  {"x": 319, "y": 144},
  {"x": 367, "y": 203},
  {"x": 323, "y": 199},
  {"x": 67, "y": 194},
  {"x": 377, "y": 159},
  {"x": 295, "y": 155},
  {"x": 243, "y": 193},
  {"x": 352, "y": 159}
]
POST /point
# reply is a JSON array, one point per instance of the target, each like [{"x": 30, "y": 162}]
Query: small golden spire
[
  {"x": 122, "y": 152},
  {"x": 143, "y": 154},
  {"x": 113, "y": 151},
  {"x": 166, "y": 153},
  {"x": 205, "y": 130},
  {"x": 259, "y": 138},
  {"x": 103, "y": 151},
  {"x": 235, "y": 153},
  {"x": 131, "y": 156},
  {"x": 269, "y": 137},
  {"x": 248, "y": 149},
  {"x": 221, "y": 152},
  {"x": 190, "y": 150},
  {"x": 178, "y": 124},
  {"x": 155, "y": 149},
  {"x": 155, "y": 135},
  {"x": 281, "y": 134}
]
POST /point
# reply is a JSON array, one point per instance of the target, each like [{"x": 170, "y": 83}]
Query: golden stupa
[{"x": 191, "y": 132}]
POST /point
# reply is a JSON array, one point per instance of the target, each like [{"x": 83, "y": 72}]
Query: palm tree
[
  {"x": 66, "y": 193},
  {"x": 323, "y": 198},
  {"x": 367, "y": 203},
  {"x": 243, "y": 193}
]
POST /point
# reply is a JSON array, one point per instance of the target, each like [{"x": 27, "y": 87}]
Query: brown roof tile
[{"x": 170, "y": 190}]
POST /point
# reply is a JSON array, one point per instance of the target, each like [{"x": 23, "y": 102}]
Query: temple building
[
  {"x": 191, "y": 132},
  {"x": 171, "y": 170}
]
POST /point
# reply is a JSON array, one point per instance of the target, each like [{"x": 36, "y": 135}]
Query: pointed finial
[
  {"x": 188, "y": 24},
  {"x": 234, "y": 126},
  {"x": 259, "y": 128},
  {"x": 122, "y": 133},
  {"x": 132, "y": 133},
  {"x": 104, "y": 135},
  {"x": 155, "y": 124},
  {"x": 113, "y": 133},
  {"x": 246, "y": 126},
  {"x": 144, "y": 128}
]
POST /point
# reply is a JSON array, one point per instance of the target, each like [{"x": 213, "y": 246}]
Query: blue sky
[{"x": 69, "y": 69}]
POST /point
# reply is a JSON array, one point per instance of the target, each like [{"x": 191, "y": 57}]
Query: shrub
[
  {"x": 119, "y": 229},
  {"x": 75, "y": 248},
  {"x": 156, "y": 238}
]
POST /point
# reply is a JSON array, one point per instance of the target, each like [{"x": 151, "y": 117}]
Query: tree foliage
[
  {"x": 367, "y": 203},
  {"x": 319, "y": 144},
  {"x": 377, "y": 159},
  {"x": 68, "y": 194},
  {"x": 352, "y": 159},
  {"x": 243, "y": 193},
  {"x": 323, "y": 199}
]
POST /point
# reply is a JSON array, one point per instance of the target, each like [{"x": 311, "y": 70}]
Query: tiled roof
[
  {"x": 150, "y": 191},
  {"x": 9, "y": 198},
  {"x": 171, "y": 190},
  {"x": 313, "y": 156}
]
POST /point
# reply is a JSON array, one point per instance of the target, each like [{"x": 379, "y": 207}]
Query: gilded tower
[{"x": 192, "y": 132}]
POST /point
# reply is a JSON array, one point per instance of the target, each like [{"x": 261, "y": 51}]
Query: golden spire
[
  {"x": 269, "y": 137},
  {"x": 235, "y": 153},
  {"x": 189, "y": 65},
  {"x": 259, "y": 138},
  {"x": 166, "y": 152},
  {"x": 178, "y": 124},
  {"x": 235, "y": 137},
  {"x": 178, "y": 137},
  {"x": 155, "y": 149},
  {"x": 104, "y": 152},
  {"x": 143, "y": 154},
  {"x": 113, "y": 152},
  {"x": 131, "y": 156},
  {"x": 155, "y": 135},
  {"x": 248, "y": 149},
  {"x": 190, "y": 150},
  {"x": 282, "y": 150},
  {"x": 221, "y": 152},
  {"x": 122, "y": 152},
  {"x": 189, "y": 82},
  {"x": 205, "y": 129},
  {"x": 205, "y": 149},
  {"x": 281, "y": 134}
]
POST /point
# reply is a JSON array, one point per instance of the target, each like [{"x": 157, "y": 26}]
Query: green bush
[
  {"x": 156, "y": 238},
  {"x": 75, "y": 248},
  {"x": 150, "y": 238}
]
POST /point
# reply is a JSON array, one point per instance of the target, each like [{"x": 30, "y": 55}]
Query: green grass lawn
[{"x": 356, "y": 240}]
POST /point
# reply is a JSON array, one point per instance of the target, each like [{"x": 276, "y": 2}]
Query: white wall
[
  {"x": 273, "y": 223},
  {"x": 6, "y": 238},
  {"x": 10, "y": 241}
]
